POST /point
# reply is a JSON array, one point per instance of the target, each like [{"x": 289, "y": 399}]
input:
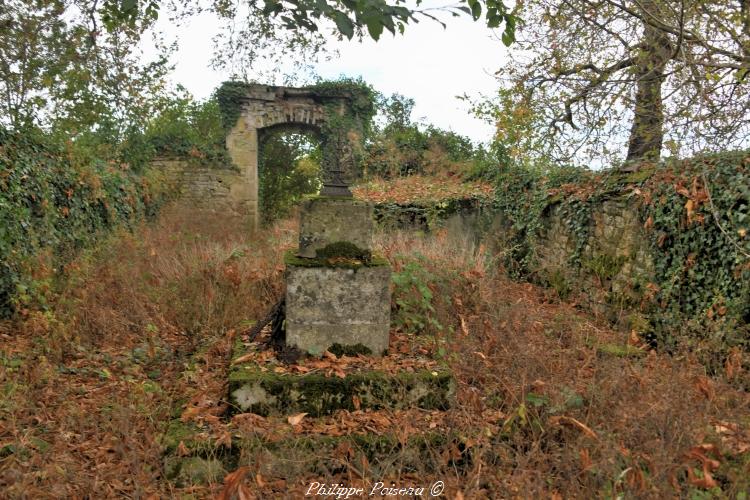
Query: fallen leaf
[
  {"x": 232, "y": 483},
  {"x": 296, "y": 419},
  {"x": 586, "y": 463},
  {"x": 708, "y": 465},
  {"x": 464, "y": 328},
  {"x": 733, "y": 363},
  {"x": 182, "y": 450},
  {"x": 704, "y": 385},
  {"x": 242, "y": 359},
  {"x": 733, "y": 438}
]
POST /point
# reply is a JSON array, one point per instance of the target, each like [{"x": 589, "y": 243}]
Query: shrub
[{"x": 54, "y": 201}]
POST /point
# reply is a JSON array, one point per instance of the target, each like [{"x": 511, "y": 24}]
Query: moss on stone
[
  {"x": 349, "y": 350},
  {"x": 291, "y": 259},
  {"x": 267, "y": 393},
  {"x": 191, "y": 436},
  {"x": 343, "y": 249},
  {"x": 317, "y": 455}
]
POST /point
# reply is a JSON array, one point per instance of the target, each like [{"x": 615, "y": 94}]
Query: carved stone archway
[{"x": 265, "y": 108}]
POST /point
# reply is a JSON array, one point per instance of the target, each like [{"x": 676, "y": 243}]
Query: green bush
[
  {"x": 54, "y": 201},
  {"x": 414, "y": 298}
]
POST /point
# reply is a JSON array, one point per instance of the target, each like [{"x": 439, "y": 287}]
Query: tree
[
  {"x": 294, "y": 29},
  {"x": 66, "y": 64},
  {"x": 603, "y": 76}
]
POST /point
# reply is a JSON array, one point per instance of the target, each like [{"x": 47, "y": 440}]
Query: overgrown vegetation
[
  {"x": 54, "y": 200},
  {"x": 695, "y": 213},
  {"x": 90, "y": 386},
  {"x": 288, "y": 169}
]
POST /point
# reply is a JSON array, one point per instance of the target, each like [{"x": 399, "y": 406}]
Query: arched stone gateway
[{"x": 327, "y": 114}]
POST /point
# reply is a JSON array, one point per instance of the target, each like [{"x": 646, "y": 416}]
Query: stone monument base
[{"x": 346, "y": 304}]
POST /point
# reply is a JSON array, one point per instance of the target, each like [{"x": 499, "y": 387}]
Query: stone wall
[
  {"x": 611, "y": 268},
  {"x": 205, "y": 186},
  {"x": 606, "y": 266}
]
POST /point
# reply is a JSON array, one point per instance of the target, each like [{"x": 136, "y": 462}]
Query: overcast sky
[{"x": 430, "y": 64}]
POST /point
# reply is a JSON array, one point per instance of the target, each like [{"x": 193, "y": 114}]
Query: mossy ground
[{"x": 319, "y": 455}]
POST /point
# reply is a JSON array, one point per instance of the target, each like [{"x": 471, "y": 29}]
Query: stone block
[
  {"x": 277, "y": 394},
  {"x": 338, "y": 305},
  {"x": 330, "y": 220}
]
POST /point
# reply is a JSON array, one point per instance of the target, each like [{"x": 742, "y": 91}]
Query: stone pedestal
[
  {"x": 330, "y": 220},
  {"x": 335, "y": 305},
  {"x": 337, "y": 293}
]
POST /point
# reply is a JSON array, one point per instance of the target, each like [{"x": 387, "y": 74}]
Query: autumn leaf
[
  {"x": 586, "y": 463},
  {"x": 182, "y": 450},
  {"x": 233, "y": 483},
  {"x": 570, "y": 421},
  {"x": 296, "y": 419}
]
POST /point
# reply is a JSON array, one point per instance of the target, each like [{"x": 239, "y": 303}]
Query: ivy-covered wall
[
  {"x": 665, "y": 251},
  {"x": 53, "y": 202}
]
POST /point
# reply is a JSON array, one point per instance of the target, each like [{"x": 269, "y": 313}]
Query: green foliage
[
  {"x": 702, "y": 250},
  {"x": 377, "y": 15},
  {"x": 289, "y": 169},
  {"x": 413, "y": 297},
  {"x": 361, "y": 94},
  {"x": 697, "y": 216},
  {"x": 522, "y": 196},
  {"x": 402, "y": 147},
  {"x": 53, "y": 202},
  {"x": 61, "y": 70},
  {"x": 229, "y": 97},
  {"x": 188, "y": 129}
]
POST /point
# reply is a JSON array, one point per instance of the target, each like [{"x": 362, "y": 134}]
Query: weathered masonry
[{"x": 267, "y": 108}]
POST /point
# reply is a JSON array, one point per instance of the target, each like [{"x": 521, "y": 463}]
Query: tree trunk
[{"x": 647, "y": 130}]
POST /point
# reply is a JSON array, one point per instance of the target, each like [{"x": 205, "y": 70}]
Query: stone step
[
  {"x": 259, "y": 383},
  {"x": 370, "y": 445}
]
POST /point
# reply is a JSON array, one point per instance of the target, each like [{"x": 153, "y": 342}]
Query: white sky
[{"x": 429, "y": 64}]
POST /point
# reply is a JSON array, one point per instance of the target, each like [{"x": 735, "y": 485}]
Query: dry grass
[{"x": 89, "y": 385}]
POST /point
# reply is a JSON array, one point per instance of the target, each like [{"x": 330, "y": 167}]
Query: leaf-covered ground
[
  {"x": 422, "y": 190},
  {"x": 141, "y": 332}
]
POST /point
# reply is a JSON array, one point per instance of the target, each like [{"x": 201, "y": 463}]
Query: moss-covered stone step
[
  {"x": 201, "y": 460},
  {"x": 268, "y": 388}
]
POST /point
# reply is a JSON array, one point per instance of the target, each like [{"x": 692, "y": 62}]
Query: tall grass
[{"x": 144, "y": 323}]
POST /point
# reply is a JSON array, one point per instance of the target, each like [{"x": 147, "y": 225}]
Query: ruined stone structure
[
  {"x": 337, "y": 292},
  {"x": 266, "y": 108}
]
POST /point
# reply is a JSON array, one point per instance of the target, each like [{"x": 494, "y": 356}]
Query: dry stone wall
[
  {"x": 206, "y": 186},
  {"x": 607, "y": 266},
  {"x": 612, "y": 267}
]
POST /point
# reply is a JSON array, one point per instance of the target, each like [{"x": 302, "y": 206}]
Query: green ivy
[
  {"x": 229, "y": 97},
  {"x": 700, "y": 248},
  {"x": 53, "y": 202}
]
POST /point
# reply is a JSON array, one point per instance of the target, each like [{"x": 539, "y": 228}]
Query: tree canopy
[
  {"x": 591, "y": 79},
  {"x": 68, "y": 63},
  {"x": 79, "y": 63}
]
